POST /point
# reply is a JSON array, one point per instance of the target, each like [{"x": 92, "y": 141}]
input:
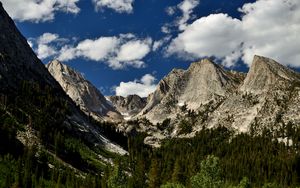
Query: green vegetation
[
  {"x": 213, "y": 158},
  {"x": 235, "y": 161},
  {"x": 56, "y": 156},
  {"x": 185, "y": 127}
]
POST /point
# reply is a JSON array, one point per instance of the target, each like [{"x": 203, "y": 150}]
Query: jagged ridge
[
  {"x": 128, "y": 106},
  {"x": 82, "y": 92},
  {"x": 202, "y": 82}
]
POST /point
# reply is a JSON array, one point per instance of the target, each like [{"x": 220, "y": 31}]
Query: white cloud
[
  {"x": 166, "y": 29},
  {"x": 47, "y": 38},
  {"x": 268, "y": 28},
  {"x": 45, "y": 51},
  {"x": 205, "y": 37},
  {"x": 134, "y": 50},
  {"x": 66, "y": 53},
  {"x": 120, "y": 6},
  {"x": 44, "y": 44},
  {"x": 68, "y": 6},
  {"x": 170, "y": 10},
  {"x": 159, "y": 43},
  {"x": 142, "y": 87},
  {"x": 38, "y": 10},
  {"x": 98, "y": 49},
  {"x": 117, "y": 52},
  {"x": 148, "y": 79},
  {"x": 186, "y": 7}
]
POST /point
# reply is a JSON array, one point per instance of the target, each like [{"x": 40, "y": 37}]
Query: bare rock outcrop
[
  {"x": 202, "y": 82},
  {"x": 82, "y": 92},
  {"x": 128, "y": 106}
]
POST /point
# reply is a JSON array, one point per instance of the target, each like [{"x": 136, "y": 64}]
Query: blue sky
[{"x": 129, "y": 45}]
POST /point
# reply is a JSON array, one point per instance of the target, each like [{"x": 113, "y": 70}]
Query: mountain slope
[
  {"x": 128, "y": 106},
  {"x": 204, "y": 81},
  {"x": 207, "y": 96},
  {"x": 31, "y": 97},
  {"x": 266, "y": 99},
  {"x": 82, "y": 92},
  {"x": 266, "y": 73}
]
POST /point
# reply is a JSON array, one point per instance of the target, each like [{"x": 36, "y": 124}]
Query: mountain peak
[
  {"x": 55, "y": 62},
  {"x": 201, "y": 82},
  {"x": 82, "y": 92},
  {"x": 202, "y": 62},
  {"x": 128, "y": 106},
  {"x": 265, "y": 73}
]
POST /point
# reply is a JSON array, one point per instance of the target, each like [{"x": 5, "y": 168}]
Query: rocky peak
[
  {"x": 208, "y": 75},
  {"x": 82, "y": 92},
  {"x": 128, "y": 106},
  {"x": 202, "y": 82},
  {"x": 265, "y": 73},
  {"x": 202, "y": 62}
]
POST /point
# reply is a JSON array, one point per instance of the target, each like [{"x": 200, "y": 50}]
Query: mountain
[
  {"x": 266, "y": 99},
  {"x": 208, "y": 96},
  {"x": 204, "y": 81},
  {"x": 266, "y": 73},
  {"x": 128, "y": 106},
  {"x": 31, "y": 100},
  {"x": 82, "y": 92}
]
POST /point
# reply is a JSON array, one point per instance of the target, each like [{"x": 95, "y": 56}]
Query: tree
[
  {"x": 172, "y": 185},
  {"x": 244, "y": 183},
  {"x": 117, "y": 179},
  {"x": 154, "y": 174},
  {"x": 209, "y": 175}
]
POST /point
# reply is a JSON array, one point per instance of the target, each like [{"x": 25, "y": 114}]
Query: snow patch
[
  {"x": 127, "y": 118},
  {"x": 180, "y": 104}
]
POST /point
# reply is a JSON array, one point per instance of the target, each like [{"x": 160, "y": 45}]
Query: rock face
[
  {"x": 82, "y": 92},
  {"x": 128, "y": 106},
  {"x": 202, "y": 82},
  {"x": 208, "y": 96},
  {"x": 20, "y": 69},
  {"x": 266, "y": 73},
  {"x": 266, "y": 99}
]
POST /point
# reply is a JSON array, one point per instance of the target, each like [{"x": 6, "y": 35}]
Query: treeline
[
  {"x": 213, "y": 158},
  {"x": 262, "y": 159},
  {"x": 56, "y": 147}
]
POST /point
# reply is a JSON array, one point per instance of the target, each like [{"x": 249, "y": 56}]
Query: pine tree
[
  {"x": 154, "y": 174},
  {"x": 209, "y": 175}
]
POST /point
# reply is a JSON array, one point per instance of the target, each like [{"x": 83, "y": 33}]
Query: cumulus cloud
[
  {"x": 205, "y": 37},
  {"x": 134, "y": 50},
  {"x": 120, "y": 6},
  {"x": 45, "y": 45},
  {"x": 39, "y": 10},
  {"x": 66, "y": 53},
  {"x": 97, "y": 49},
  {"x": 142, "y": 87},
  {"x": 47, "y": 38},
  {"x": 117, "y": 52},
  {"x": 45, "y": 51},
  {"x": 268, "y": 28}
]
